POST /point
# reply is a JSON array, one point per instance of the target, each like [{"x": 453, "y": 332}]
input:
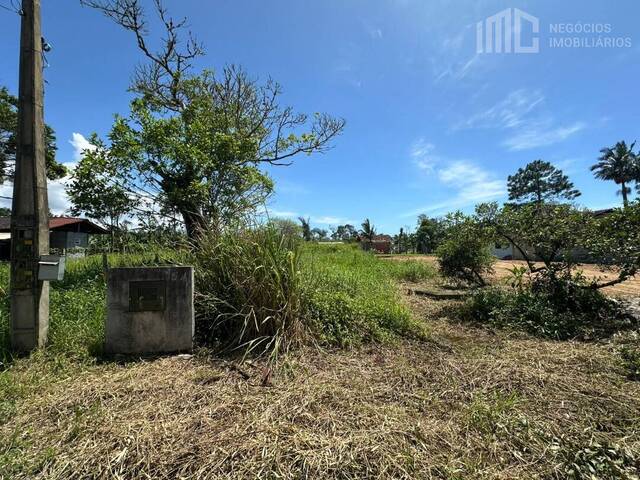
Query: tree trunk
[
  {"x": 194, "y": 224},
  {"x": 625, "y": 201}
]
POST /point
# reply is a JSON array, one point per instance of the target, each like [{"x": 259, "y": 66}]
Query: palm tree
[
  {"x": 368, "y": 231},
  {"x": 306, "y": 228},
  {"x": 619, "y": 164}
]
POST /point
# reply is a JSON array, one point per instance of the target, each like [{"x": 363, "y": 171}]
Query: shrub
[
  {"x": 248, "y": 290},
  {"x": 256, "y": 289},
  {"x": 560, "y": 308},
  {"x": 599, "y": 459},
  {"x": 465, "y": 259}
]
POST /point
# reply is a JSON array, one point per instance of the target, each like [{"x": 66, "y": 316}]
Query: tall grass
[
  {"x": 248, "y": 290},
  {"x": 256, "y": 290},
  {"x": 351, "y": 296}
]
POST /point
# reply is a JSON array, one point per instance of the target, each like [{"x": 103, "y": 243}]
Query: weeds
[
  {"x": 351, "y": 297},
  {"x": 559, "y": 307}
]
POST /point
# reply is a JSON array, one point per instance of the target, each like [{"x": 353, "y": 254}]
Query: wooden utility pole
[{"x": 30, "y": 209}]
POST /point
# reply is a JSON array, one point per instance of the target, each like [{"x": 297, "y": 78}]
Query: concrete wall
[{"x": 139, "y": 325}]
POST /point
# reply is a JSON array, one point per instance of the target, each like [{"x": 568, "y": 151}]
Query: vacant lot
[
  {"x": 465, "y": 403},
  {"x": 630, "y": 288}
]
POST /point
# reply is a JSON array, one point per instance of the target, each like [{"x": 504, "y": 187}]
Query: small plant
[{"x": 600, "y": 460}]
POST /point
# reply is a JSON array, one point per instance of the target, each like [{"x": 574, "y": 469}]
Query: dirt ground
[
  {"x": 466, "y": 404},
  {"x": 630, "y": 288}
]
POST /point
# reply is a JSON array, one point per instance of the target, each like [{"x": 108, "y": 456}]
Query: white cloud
[
  {"x": 80, "y": 144},
  {"x": 373, "y": 31},
  {"x": 282, "y": 213},
  {"x": 421, "y": 153},
  {"x": 58, "y": 200},
  {"x": 542, "y": 135},
  {"x": 314, "y": 219},
  {"x": 519, "y": 113},
  {"x": 450, "y": 58},
  {"x": 329, "y": 220},
  {"x": 470, "y": 183},
  {"x": 507, "y": 113}
]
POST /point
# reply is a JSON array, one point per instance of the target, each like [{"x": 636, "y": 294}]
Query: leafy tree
[
  {"x": 345, "y": 233},
  {"x": 368, "y": 230},
  {"x": 619, "y": 164},
  {"x": 93, "y": 192},
  {"x": 5, "y": 212},
  {"x": 319, "y": 233},
  {"x": 401, "y": 241},
  {"x": 546, "y": 232},
  {"x": 8, "y": 141},
  {"x": 615, "y": 241},
  {"x": 286, "y": 227},
  {"x": 306, "y": 229},
  {"x": 540, "y": 181},
  {"x": 553, "y": 233},
  {"x": 430, "y": 234},
  {"x": 195, "y": 144},
  {"x": 464, "y": 254}
]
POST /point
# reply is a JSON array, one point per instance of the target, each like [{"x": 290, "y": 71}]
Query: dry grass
[{"x": 467, "y": 404}]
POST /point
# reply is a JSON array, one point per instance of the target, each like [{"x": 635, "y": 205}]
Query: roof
[
  {"x": 603, "y": 212},
  {"x": 65, "y": 224},
  {"x": 376, "y": 238}
]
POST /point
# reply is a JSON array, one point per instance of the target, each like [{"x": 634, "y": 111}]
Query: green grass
[
  {"x": 351, "y": 295},
  {"x": 343, "y": 296},
  {"x": 77, "y": 304}
]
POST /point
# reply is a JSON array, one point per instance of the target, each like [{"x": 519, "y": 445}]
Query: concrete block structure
[{"x": 149, "y": 310}]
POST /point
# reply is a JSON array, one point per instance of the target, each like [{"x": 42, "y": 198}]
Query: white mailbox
[{"x": 51, "y": 267}]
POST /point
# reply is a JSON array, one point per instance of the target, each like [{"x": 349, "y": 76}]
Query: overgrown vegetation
[
  {"x": 552, "y": 307},
  {"x": 630, "y": 355},
  {"x": 257, "y": 289},
  {"x": 350, "y": 295}
]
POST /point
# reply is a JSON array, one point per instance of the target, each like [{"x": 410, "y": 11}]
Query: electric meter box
[{"x": 51, "y": 267}]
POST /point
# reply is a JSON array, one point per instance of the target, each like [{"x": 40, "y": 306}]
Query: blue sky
[{"x": 432, "y": 125}]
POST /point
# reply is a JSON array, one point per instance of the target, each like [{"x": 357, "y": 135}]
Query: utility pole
[{"x": 30, "y": 209}]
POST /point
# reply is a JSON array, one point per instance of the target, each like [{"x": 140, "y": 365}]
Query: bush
[
  {"x": 599, "y": 460},
  {"x": 465, "y": 259},
  {"x": 248, "y": 290},
  {"x": 559, "y": 307},
  {"x": 256, "y": 289}
]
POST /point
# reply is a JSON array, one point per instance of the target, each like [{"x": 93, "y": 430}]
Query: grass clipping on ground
[
  {"x": 462, "y": 403},
  {"x": 467, "y": 404}
]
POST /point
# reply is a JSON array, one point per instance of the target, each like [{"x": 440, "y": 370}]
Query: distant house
[
  {"x": 379, "y": 244},
  {"x": 64, "y": 233},
  {"x": 506, "y": 251}
]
